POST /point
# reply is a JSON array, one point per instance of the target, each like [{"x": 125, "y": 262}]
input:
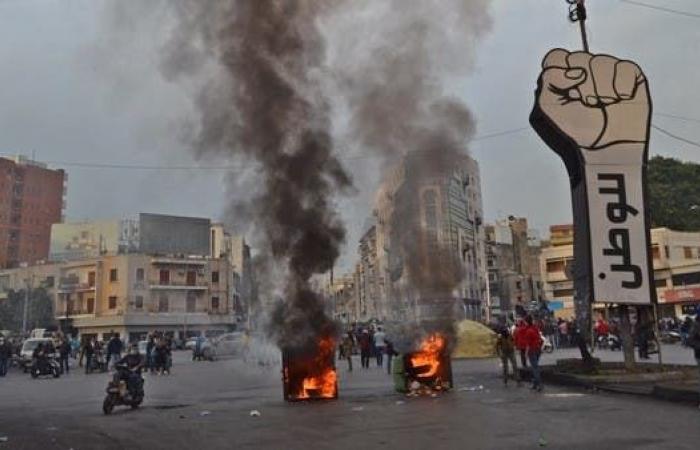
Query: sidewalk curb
[{"x": 655, "y": 391}]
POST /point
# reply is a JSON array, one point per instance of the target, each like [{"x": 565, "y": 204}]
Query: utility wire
[
  {"x": 238, "y": 168},
  {"x": 673, "y": 116},
  {"x": 661, "y": 8},
  {"x": 675, "y": 136}
]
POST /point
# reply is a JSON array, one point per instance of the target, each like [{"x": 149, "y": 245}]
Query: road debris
[
  {"x": 205, "y": 413},
  {"x": 255, "y": 413},
  {"x": 471, "y": 388}
]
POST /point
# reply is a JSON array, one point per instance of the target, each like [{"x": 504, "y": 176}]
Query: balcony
[
  {"x": 73, "y": 284},
  {"x": 178, "y": 285},
  {"x": 64, "y": 313},
  {"x": 164, "y": 260}
]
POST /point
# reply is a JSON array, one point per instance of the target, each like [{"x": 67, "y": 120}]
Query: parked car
[
  {"x": 229, "y": 344},
  {"x": 28, "y": 347},
  {"x": 190, "y": 344}
]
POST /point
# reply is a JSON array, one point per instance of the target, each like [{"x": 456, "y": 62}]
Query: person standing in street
[
  {"x": 694, "y": 343},
  {"x": 365, "y": 348},
  {"x": 390, "y": 353},
  {"x": 5, "y": 355},
  {"x": 533, "y": 344},
  {"x": 64, "y": 351},
  {"x": 505, "y": 348},
  {"x": 379, "y": 345},
  {"x": 89, "y": 352},
  {"x": 114, "y": 349},
  {"x": 347, "y": 346},
  {"x": 519, "y": 341}
]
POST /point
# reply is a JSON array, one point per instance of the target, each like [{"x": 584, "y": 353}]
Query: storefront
[{"x": 679, "y": 302}]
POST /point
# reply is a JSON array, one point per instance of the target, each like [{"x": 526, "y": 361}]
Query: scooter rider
[
  {"x": 40, "y": 357},
  {"x": 134, "y": 363}
]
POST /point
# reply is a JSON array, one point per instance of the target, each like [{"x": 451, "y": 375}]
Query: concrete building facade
[
  {"x": 676, "y": 258},
  {"x": 512, "y": 259},
  {"x": 32, "y": 198},
  {"x": 448, "y": 208},
  {"x": 133, "y": 294}
]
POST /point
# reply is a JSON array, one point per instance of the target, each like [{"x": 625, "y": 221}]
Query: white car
[
  {"x": 229, "y": 344},
  {"x": 28, "y": 349}
]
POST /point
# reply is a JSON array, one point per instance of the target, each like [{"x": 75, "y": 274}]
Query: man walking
[
  {"x": 89, "y": 352},
  {"x": 505, "y": 348},
  {"x": 346, "y": 346},
  {"x": 114, "y": 349},
  {"x": 379, "y": 345},
  {"x": 519, "y": 341},
  {"x": 5, "y": 355},
  {"x": 64, "y": 351},
  {"x": 533, "y": 344},
  {"x": 365, "y": 347}
]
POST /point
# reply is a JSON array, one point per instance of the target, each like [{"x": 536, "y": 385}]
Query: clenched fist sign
[
  {"x": 594, "y": 111},
  {"x": 594, "y": 100}
]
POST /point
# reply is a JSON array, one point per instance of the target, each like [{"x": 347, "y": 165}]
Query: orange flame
[
  {"x": 324, "y": 384},
  {"x": 429, "y": 355}
]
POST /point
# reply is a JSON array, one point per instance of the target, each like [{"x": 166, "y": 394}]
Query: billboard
[
  {"x": 81, "y": 240},
  {"x": 172, "y": 235}
]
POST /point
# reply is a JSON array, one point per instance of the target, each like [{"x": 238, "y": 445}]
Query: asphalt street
[{"x": 207, "y": 405}]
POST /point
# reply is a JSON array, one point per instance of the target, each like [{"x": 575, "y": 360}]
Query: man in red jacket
[
  {"x": 533, "y": 343},
  {"x": 519, "y": 341}
]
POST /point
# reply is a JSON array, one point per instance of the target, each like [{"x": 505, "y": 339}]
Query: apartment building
[
  {"x": 676, "y": 258},
  {"x": 31, "y": 200}
]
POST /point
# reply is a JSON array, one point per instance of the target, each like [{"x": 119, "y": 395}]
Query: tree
[
  {"x": 674, "y": 194},
  {"x": 40, "y": 310}
]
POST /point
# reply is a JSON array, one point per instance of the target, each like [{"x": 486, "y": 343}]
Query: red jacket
[
  {"x": 533, "y": 341},
  {"x": 519, "y": 337}
]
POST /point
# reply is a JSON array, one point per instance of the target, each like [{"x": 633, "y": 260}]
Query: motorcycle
[
  {"x": 614, "y": 342},
  {"x": 48, "y": 367},
  {"x": 119, "y": 391},
  {"x": 98, "y": 362},
  {"x": 671, "y": 337}
]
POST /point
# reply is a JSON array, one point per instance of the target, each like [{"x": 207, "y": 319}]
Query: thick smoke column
[
  {"x": 394, "y": 85},
  {"x": 263, "y": 104}
]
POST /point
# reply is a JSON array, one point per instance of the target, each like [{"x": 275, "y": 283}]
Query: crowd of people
[{"x": 371, "y": 343}]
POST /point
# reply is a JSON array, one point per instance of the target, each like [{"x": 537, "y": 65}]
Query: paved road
[{"x": 66, "y": 413}]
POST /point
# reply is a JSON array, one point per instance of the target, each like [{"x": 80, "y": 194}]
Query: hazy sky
[{"x": 74, "y": 91}]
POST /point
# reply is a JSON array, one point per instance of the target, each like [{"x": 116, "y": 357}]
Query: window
[
  {"x": 687, "y": 253},
  {"x": 139, "y": 274},
  {"x": 489, "y": 262},
  {"x": 164, "y": 276},
  {"x": 215, "y": 303},
  {"x": 655, "y": 252},
  {"x": 686, "y": 279},
  {"x": 113, "y": 275},
  {"x": 50, "y": 281},
  {"x": 215, "y": 277},
  {"x": 112, "y": 302},
  {"x": 518, "y": 285},
  {"x": 138, "y": 302},
  {"x": 91, "y": 279},
  {"x": 558, "y": 293},
  {"x": 191, "y": 278},
  {"x": 163, "y": 303},
  {"x": 191, "y": 302},
  {"x": 555, "y": 266},
  {"x": 90, "y": 305},
  {"x": 667, "y": 252},
  {"x": 660, "y": 283}
]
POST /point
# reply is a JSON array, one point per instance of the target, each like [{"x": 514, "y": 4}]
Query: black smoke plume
[
  {"x": 263, "y": 103},
  {"x": 399, "y": 108}
]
